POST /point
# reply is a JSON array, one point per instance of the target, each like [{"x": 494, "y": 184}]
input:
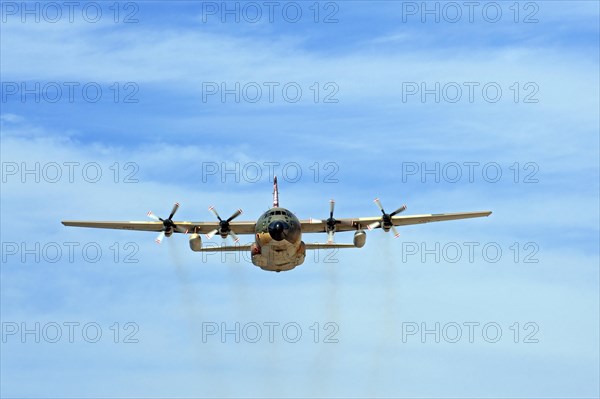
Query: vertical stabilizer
[{"x": 275, "y": 193}]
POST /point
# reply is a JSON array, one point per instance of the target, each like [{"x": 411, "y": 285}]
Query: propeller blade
[
  {"x": 396, "y": 234},
  {"x": 397, "y": 211},
  {"x": 330, "y": 237},
  {"x": 236, "y": 214},
  {"x": 211, "y": 234},
  {"x": 153, "y": 216},
  {"x": 373, "y": 225},
  {"x": 160, "y": 237},
  {"x": 331, "y": 207},
  {"x": 213, "y": 210},
  {"x": 175, "y": 207},
  {"x": 234, "y": 236},
  {"x": 378, "y": 203}
]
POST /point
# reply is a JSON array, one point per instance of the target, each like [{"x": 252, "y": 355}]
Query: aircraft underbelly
[{"x": 280, "y": 256}]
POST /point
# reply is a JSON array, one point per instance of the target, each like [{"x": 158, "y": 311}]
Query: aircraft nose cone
[{"x": 278, "y": 230}]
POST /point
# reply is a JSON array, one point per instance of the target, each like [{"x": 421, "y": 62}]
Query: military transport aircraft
[{"x": 278, "y": 244}]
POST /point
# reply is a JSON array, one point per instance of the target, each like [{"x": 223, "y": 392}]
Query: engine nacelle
[
  {"x": 169, "y": 232},
  {"x": 195, "y": 242},
  {"x": 360, "y": 237}
]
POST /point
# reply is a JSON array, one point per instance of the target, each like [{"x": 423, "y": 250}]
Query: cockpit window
[{"x": 284, "y": 213}]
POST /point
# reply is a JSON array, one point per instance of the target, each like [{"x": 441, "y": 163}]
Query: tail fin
[{"x": 275, "y": 193}]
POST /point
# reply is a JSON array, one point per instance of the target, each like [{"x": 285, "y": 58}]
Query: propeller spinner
[
  {"x": 386, "y": 219},
  {"x": 168, "y": 225},
  {"x": 224, "y": 229}
]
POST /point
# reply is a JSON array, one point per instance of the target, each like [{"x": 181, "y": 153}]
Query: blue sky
[{"x": 362, "y": 126}]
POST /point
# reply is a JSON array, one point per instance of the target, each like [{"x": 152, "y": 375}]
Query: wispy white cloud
[{"x": 370, "y": 292}]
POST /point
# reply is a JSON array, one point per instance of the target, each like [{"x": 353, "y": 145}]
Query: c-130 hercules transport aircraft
[{"x": 278, "y": 242}]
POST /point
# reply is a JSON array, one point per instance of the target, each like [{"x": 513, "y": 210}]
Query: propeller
[
  {"x": 386, "y": 219},
  {"x": 224, "y": 229},
  {"x": 168, "y": 225},
  {"x": 332, "y": 222}
]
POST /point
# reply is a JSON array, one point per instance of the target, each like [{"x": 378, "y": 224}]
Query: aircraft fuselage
[{"x": 278, "y": 242}]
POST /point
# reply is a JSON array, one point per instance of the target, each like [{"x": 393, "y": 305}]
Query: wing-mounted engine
[
  {"x": 224, "y": 229},
  {"x": 168, "y": 225},
  {"x": 386, "y": 219},
  {"x": 331, "y": 223}
]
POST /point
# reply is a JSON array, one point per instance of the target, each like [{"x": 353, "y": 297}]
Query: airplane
[{"x": 278, "y": 244}]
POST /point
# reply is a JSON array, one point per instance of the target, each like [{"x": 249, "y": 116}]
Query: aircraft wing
[
  {"x": 199, "y": 227},
  {"x": 320, "y": 226}
]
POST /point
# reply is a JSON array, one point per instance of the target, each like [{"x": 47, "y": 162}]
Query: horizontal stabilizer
[
  {"x": 225, "y": 248},
  {"x": 317, "y": 245}
]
